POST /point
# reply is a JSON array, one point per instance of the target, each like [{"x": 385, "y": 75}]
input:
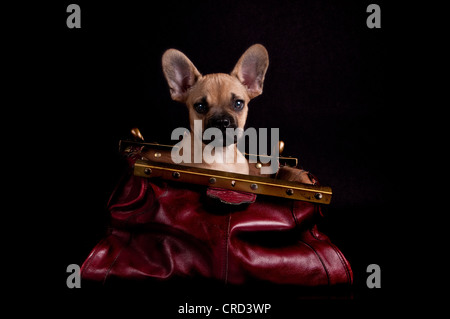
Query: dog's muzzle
[{"x": 223, "y": 122}]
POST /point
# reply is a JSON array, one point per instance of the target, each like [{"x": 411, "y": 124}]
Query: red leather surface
[
  {"x": 230, "y": 197},
  {"x": 164, "y": 230}
]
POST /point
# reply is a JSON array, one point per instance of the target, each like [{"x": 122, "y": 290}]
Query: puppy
[{"x": 218, "y": 100}]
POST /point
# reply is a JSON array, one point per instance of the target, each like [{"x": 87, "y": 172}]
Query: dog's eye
[
  {"x": 201, "y": 108},
  {"x": 238, "y": 104}
]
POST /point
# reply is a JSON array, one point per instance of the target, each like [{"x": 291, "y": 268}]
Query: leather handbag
[{"x": 162, "y": 229}]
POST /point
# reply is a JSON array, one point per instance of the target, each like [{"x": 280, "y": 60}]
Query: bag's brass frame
[{"x": 233, "y": 181}]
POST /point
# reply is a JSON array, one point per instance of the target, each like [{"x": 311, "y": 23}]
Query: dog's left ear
[{"x": 251, "y": 69}]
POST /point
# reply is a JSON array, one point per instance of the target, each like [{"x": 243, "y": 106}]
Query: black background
[{"x": 328, "y": 89}]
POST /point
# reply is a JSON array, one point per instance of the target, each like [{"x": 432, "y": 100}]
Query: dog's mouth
[{"x": 225, "y": 138}]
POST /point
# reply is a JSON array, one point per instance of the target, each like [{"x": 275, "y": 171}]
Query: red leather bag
[{"x": 166, "y": 230}]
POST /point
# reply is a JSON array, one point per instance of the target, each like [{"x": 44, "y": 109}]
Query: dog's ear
[
  {"x": 180, "y": 73},
  {"x": 251, "y": 69}
]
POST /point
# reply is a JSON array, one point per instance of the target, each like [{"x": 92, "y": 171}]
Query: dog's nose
[
  {"x": 221, "y": 123},
  {"x": 224, "y": 123}
]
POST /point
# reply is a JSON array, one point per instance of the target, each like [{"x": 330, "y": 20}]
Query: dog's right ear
[
  {"x": 251, "y": 69},
  {"x": 180, "y": 73}
]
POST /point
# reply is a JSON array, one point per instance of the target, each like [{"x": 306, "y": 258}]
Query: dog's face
[{"x": 219, "y": 100}]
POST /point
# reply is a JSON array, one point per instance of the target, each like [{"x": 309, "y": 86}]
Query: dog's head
[{"x": 219, "y": 100}]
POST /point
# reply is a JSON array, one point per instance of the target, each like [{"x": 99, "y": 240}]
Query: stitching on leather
[
  {"x": 115, "y": 260},
  {"x": 227, "y": 237},
  {"x": 338, "y": 252},
  {"x": 320, "y": 259},
  {"x": 344, "y": 264},
  {"x": 92, "y": 255}
]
